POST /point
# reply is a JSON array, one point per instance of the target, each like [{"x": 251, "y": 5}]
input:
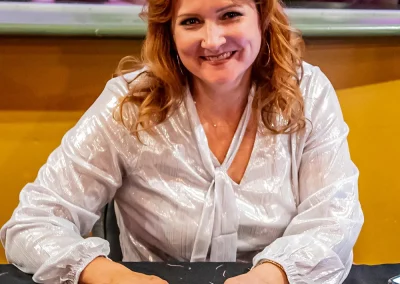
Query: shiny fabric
[{"x": 297, "y": 203}]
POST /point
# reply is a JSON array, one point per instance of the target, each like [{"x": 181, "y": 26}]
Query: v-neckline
[
  {"x": 243, "y": 178},
  {"x": 209, "y": 159}
]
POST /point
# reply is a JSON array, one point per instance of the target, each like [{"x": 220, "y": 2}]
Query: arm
[
  {"x": 44, "y": 235},
  {"x": 317, "y": 245}
]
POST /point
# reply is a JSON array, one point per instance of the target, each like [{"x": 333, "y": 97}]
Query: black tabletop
[{"x": 215, "y": 273}]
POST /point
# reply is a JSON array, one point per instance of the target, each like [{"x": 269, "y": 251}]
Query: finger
[
  {"x": 233, "y": 280},
  {"x": 157, "y": 280}
]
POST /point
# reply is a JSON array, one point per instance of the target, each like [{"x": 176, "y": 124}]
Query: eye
[
  {"x": 190, "y": 22},
  {"x": 231, "y": 15}
]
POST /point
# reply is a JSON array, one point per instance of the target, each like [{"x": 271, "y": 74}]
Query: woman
[{"x": 225, "y": 147}]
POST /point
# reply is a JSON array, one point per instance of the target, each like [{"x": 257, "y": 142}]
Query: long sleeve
[
  {"x": 44, "y": 235},
  {"x": 317, "y": 245}
]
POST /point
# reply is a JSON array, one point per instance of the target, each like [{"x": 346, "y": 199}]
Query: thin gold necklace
[{"x": 212, "y": 122}]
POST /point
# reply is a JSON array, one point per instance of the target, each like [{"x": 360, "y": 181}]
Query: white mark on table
[
  {"x": 3, "y": 274},
  {"x": 176, "y": 265},
  {"x": 219, "y": 266},
  {"x": 224, "y": 273}
]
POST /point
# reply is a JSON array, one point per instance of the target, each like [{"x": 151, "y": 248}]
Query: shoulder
[
  {"x": 313, "y": 81},
  {"x": 318, "y": 92},
  {"x": 117, "y": 88}
]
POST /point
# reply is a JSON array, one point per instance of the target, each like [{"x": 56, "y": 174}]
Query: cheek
[
  {"x": 185, "y": 44},
  {"x": 251, "y": 43},
  {"x": 255, "y": 37},
  {"x": 248, "y": 36},
  {"x": 254, "y": 42},
  {"x": 257, "y": 42},
  {"x": 252, "y": 32}
]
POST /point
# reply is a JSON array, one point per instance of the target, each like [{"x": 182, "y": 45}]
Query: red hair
[{"x": 276, "y": 72}]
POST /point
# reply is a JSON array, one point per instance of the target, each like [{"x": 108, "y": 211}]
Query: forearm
[
  {"x": 53, "y": 254},
  {"x": 308, "y": 260}
]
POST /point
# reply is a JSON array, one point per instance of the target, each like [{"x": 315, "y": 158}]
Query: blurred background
[{"x": 57, "y": 55}]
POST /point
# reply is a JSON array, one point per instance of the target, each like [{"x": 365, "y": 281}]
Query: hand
[
  {"x": 266, "y": 273},
  {"x": 105, "y": 271}
]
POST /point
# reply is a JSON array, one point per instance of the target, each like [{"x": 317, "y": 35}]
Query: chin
[{"x": 219, "y": 78}]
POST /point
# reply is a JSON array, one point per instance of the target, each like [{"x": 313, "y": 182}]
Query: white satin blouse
[{"x": 297, "y": 203}]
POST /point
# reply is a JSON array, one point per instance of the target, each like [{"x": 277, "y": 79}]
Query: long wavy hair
[{"x": 160, "y": 88}]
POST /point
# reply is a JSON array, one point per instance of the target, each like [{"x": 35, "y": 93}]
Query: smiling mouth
[{"x": 223, "y": 56}]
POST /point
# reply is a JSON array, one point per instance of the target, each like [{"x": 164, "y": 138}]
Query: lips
[{"x": 219, "y": 57}]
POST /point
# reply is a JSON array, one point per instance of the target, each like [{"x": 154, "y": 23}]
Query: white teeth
[{"x": 219, "y": 57}]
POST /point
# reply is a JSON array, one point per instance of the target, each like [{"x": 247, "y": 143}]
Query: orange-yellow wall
[
  {"x": 26, "y": 140},
  {"x": 371, "y": 112},
  {"x": 372, "y": 115}
]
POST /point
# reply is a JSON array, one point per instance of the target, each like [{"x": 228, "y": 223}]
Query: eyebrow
[
  {"x": 218, "y": 11},
  {"x": 227, "y": 7}
]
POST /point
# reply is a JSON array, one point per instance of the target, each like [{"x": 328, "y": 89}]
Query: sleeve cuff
[
  {"x": 288, "y": 266},
  {"x": 67, "y": 266},
  {"x": 76, "y": 272}
]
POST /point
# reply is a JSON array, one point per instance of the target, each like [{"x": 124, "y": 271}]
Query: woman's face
[{"x": 217, "y": 40}]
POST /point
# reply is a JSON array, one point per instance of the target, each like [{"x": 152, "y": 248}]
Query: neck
[{"x": 222, "y": 101}]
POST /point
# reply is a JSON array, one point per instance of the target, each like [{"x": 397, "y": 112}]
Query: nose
[{"x": 213, "y": 37}]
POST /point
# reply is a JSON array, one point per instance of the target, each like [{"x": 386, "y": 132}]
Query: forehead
[{"x": 204, "y": 6}]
